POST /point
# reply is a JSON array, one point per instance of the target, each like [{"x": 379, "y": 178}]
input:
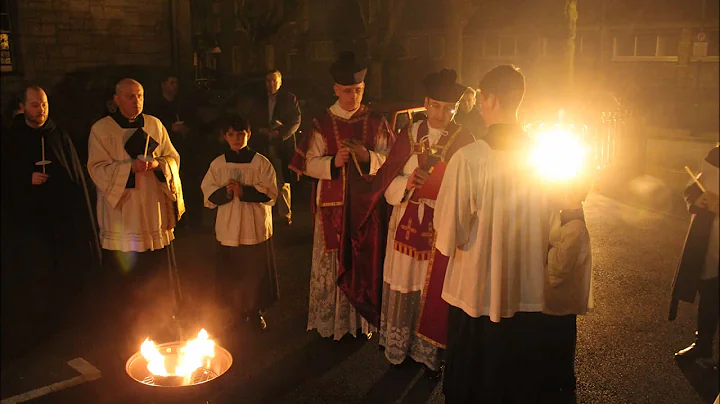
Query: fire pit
[{"x": 179, "y": 371}]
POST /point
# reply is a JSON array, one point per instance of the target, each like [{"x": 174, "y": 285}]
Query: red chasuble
[
  {"x": 343, "y": 201},
  {"x": 414, "y": 239}
]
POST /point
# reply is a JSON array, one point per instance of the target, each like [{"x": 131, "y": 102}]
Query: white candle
[
  {"x": 147, "y": 142},
  {"x": 42, "y": 140}
]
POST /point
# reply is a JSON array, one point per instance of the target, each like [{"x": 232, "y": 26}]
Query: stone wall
[{"x": 58, "y": 36}]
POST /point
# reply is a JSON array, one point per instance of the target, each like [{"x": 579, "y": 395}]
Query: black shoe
[
  {"x": 256, "y": 320},
  {"x": 433, "y": 374},
  {"x": 694, "y": 351}
]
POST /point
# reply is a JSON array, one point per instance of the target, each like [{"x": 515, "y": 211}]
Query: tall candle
[
  {"x": 42, "y": 140},
  {"x": 147, "y": 142}
]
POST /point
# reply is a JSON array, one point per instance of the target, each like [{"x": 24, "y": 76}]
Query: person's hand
[
  {"x": 362, "y": 154},
  {"x": 711, "y": 202},
  {"x": 233, "y": 189},
  {"x": 342, "y": 156},
  {"x": 180, "y": 127},
  {"x": 417, "y": 179},
  {"x": 139, "y": 166},
  {"x": 152, "y": 165},
  {"x": 39, "y": 178},
  {"x": 703, "y": 201}
]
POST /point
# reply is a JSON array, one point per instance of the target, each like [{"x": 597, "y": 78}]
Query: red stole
[
  {"x": 412, "y": 237},
  {"x": 343, "y": 202},
  {"x": 362, "y": 126}
]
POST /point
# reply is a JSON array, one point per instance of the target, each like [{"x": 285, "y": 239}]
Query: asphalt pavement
[{"x": 625, "y": 346}]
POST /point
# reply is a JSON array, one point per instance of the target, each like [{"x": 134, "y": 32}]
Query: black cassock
[{"x": 49, "y": 233}]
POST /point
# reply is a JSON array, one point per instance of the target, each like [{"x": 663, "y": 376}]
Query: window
[
  {"x": 668, "y": 44},
  {"x": 401, "y": 120},
  {"x": 415, "y": 47},
  {"x": 8, "y": 62},
  {"x": 587, "y": 46},
  {"x": 713, "y": 43},
  {"x": 507, "y": 46},
  {"x": 647, "y": 45},
  {"x": 321, "y": 51},
  {"x": 553, "y": 47}
]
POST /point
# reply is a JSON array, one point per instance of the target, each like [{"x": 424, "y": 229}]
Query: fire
[{"x": 186, "y": 361}]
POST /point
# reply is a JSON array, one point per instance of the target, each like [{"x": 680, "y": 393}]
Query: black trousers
[
  {"x": 708, "y": 313},
  {"x": 246, "y": 278},
  {"x": 559, "y": 338},
  {"x": 489, "y": 362}
]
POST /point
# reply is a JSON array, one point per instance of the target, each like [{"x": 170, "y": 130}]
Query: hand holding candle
[{"x": 42, "y": 162}]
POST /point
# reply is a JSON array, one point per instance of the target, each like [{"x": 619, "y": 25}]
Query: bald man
[
  {"x": 48, "y": 228},
  {"x": 135, "y": 169}
]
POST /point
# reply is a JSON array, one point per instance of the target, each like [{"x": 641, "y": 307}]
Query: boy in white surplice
[{"x": 241, "y": 185}]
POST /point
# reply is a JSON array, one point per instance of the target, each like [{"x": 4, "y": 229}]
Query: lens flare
[{"x": 558, "y": 153}]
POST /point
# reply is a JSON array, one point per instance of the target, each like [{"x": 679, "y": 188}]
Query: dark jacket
[
  {"x": 285, "y": 119},
  {"x": 687, "y": 275}
]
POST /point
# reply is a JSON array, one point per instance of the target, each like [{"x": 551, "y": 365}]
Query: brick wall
[{"x": 59, "y": 36}]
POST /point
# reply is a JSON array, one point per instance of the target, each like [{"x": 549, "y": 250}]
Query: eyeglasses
[{"x": 449, "y": 108}]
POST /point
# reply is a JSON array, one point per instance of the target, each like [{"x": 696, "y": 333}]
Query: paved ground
[{"x": 624, "y": 350}]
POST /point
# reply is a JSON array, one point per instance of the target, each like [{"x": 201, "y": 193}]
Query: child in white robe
[
  {"x": 568, "y": 291},
  {"x": 241, "y": 184}
]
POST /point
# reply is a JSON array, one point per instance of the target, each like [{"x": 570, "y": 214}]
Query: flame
[{"x": 192, "y": 356}]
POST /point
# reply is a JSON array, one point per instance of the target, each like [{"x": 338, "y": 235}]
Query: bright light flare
[
  {"x": 558, "y": 154},
  {"x": 189, "y": 358}
]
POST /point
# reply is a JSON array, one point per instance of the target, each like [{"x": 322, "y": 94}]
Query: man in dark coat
[
  {"x": 50, "y": 241},
  {"x": 276, "y": 118},
  {"x": 468, "y": 114},
  {"x": 697, "y": 272}
]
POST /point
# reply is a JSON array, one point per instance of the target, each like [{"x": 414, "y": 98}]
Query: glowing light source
[
  {"x": 189, "y": 358},
  {"x": 558, "y": 152}
]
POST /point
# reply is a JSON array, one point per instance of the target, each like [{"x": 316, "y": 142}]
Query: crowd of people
[{"x": 441, "y": 238}]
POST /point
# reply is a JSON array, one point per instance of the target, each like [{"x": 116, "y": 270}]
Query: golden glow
[
  {"x": 186, "y": 361},
  {"x": 558, "y": 152}
]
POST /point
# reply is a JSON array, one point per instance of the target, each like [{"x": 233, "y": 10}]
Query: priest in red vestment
[
  {"x": 346, "y": 147},
  {"x": 410, "y": 181}
]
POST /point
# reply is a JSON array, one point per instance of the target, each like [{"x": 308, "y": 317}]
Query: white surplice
[
  {"x": 403, "y": 274},
  {"x": 492, "y": 219},
  {"x": 141, "y": 218},
  {"x": 238, "y": 222},
  {"x": 329, "y": 310}
]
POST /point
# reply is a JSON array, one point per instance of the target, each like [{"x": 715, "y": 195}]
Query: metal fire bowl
[{"x": 172, "y": 388}]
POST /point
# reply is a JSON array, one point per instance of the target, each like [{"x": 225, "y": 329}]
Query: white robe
[
  {"x": 238, "y": 222},
  {"x": 492, "y": 219},
  {"x": 403, "y": 274},
  {"x": 140, "y": 218},
  {"x": 329, "y": 310}
]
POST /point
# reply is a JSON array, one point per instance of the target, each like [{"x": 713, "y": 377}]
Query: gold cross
[
  {"x": 428, "y": 233},
  {"x": 408, "y": 229}
]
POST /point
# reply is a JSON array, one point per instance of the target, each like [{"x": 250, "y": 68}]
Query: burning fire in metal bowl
[{"x": 178, "y": 366}]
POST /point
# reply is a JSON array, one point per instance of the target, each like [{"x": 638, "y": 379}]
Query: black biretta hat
[
  {"x": 346, "y": 71},
  {"x": 442, "y": 86}
]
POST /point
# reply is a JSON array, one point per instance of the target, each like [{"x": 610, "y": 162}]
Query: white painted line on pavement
[{"x": 87, "y": 372}]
